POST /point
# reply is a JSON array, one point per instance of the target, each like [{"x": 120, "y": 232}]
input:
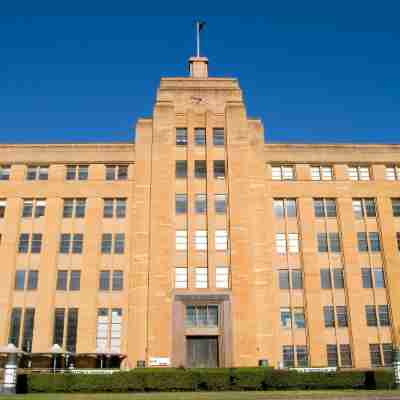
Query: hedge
[{"x": 221, "y": 379}]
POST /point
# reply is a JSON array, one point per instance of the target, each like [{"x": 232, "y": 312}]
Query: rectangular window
[
  {"x": 366, "y": 277},
  {"x": 180, "y": 204},
  {"x": 200, "y": 204},
  {"x": 119, "y": 243},
  {"x": 362, "y": 241},
  {"x": 364, "y": 207},
  {"x": 80, "y": 206},
  {"x": 19, "y": 279},
  {"x": 341, "y": 316},
  {"x": 282, "y": 173},
  {"x": 345, "y": 356},
  {"x": 375, "y": 355},
  {"x": 108, "y": 208},
  {"x": 293, "y": 243},
  {"x": 222, "y": 277},
  {"x": 201, "y": 278},
  {"x": 302, "y": 356},
  {"x": 201, "y": 316},
  {"x": 325, "y": 208},
  {"x": 102, "y": 334},
  {"x": 319, "y": 173},
  {"x": 116, "y": 330},
  {"x": 106, "y": 243},
  {"x": 220, "y": 203},
  {"x": 77, "y": 243},
  {"x": 297, "y": 279},
  {"x": 375, "y": 244},
  {"x": 181, "y": 278},
  {"x": 117, "y": 280},
  {"x": 280, "y": 242},
  {"x": 36, "y": 245},
  {"x": 37, "y": 172},
  {"x": 120, "y": 210},
  {"x": 358, "y": 173},
  {"x": 322, "y": 239},
  {"x": 379, "y": 278},
  {"x": 334, "y": 242},
  {"x": 62, "y": 277},
  {"x": 396, "y": 207},
  {"x": 219, "y": 169},
  {"x": 387, "y": 349},
  {"x": 5, "y": 172},
  {"x": 75, "y": 280},
  {"x": 284, "y": 279},
  {"x": 332, "y": 355},
  {"x": 288, "y": 356},
  {"x": 325, "y": 277},
  {"x": 74, "y": 208},
  {"x": 298, "y": 317},
  {"x": 116, "y": 172},
  {"x": 383, "y": 313},
  {"x": 2, "y": 207},
  {"x": 200, "y": 240},
  {"x": 33, "y": 280},
  {"x": 286, "y": 318},
  {"x": 200, "y": 169},
  {"x": 329, "y": 316},
  {"x": 180, "y": 169},
  {"x": 23, "y": 244},
  {"x": 218, "y": 137},
  {"x": 77, "y": 172},
  {"x": 104, "y": 280},
  {"x": 15, "y": 326},
  {"x": 58, "y": 331},
  {"x": 68, "y": 210},
  {"x": 27, "y": 208},
  {"x": 181, "y": 136},
  {"x": 392, "y": 173},
  {"x": 65, "y": 243},
  {"x": 398, "y": 240},
  {"x": 27, "y": 334},
  {"x": 221, "y": 240},
  {"x": 370, "y": 315},
  {"x": 338, "y": 278},
  {"x": 72, "y": 330},
  {"x": 181, "y": 240},
  {"x": 285, "y": 207},
  {"x": 200, "y": 136}
]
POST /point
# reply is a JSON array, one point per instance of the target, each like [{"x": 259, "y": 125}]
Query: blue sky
[{"x": 313, "y": 71}]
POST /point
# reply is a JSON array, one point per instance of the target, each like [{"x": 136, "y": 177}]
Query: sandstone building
[{"x": 199, "y": 244}]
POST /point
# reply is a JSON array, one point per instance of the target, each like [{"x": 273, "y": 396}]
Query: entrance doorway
[{"x": 202, "y": 351}]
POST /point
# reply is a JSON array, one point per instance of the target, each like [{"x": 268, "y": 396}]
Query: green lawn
[{"x": 337, "y": 395}]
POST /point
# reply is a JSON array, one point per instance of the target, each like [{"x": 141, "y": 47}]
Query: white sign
[
  {"x": 322, "y": 369},
  {"x": 159, "y": 362}
]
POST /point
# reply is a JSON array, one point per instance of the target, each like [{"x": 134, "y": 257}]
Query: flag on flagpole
[{"x": 201, "y": 25}]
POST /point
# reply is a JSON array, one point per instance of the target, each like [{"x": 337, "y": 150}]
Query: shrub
[
  {"x": 213, "y": 379},
  {"x": 384, "y": 379},
  {"x": 249, "y": 378}
]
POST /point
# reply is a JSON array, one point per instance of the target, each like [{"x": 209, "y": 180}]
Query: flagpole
[{"x": 198, "y": 38}]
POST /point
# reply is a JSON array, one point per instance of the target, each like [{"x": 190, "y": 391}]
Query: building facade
[{"x": 201, "y": 245}]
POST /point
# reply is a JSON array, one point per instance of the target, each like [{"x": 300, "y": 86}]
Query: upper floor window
[
  {"x": 221, "y": 240},
  {"x": 77, "y": 172},
  {"x": 181, "y": 136},
  {"x": 26, "y": 279},
  {"x": 200, "y": 204},
  {"x": 111, "y": 280},
  {"x": 33, "y": 208},
  {"x": 24, "y": 240},
  {"x": 222, "y": 277},
  {"x": 328, "y": 242},
  {"x": 71, "y": 243},
  {"x": 201, "y": 278},
  {"x": 358, "y": 173},
  {"x": 202, "y": 316},
  {"x": 200, "y": 136},
  {"x": 116, "y": 172},
  {"x": 326, "y": 279},
  {"x": 74, "y": 280},
  {"x": 325, "y": 208},
  {"x": 373, "y": 244},
  {"x": 396, "y": 207},
  {"x": 372, "y": 277},
  {"x": 114, "y": 208},
  {"x": 200, "y": 240},
  {"x": 219, "y": 169},
  {"x": 200, "y": 169},
  {"x": 284, "y": 207},
  {"x": 5, "y": 172},
  {"x": 37, "y": 172},
  {"x": 107, "y": 243},
  {"x": 364, "y": 207},
  {"x": 392, "y": 173},
  {"x": 181, "y": 203},
  {"x": 181, "y": 277},
  {"x": 220, "y": 203},
  {"x": 282, "y": 173},
  {"x": 290, "y": 278},
  {"x": 74, "y": 208},
  {"x": 181, "y": 240},
  {"x": 3, "y": 203},
  {"x": 218, "y": 137},
  {"x": 180, "y": 169},
  {"x": 289, "y": 243},
  {"x": 321, "y": 173}
]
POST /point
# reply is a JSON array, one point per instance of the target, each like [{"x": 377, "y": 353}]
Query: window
[
  {"x": 23, "y": 245},
  {"x": 284, "y": 279},
  {"x": 392, "y": 173},
  {"x": 77, "y": 243},
  {"x": 200, "y": 136},
  {"x": 334, "y": 242},
  {"x": 27, "y": 334},
  {"x": 74, "y": 208},
  {"x": 75, "y": 280},
  {"x": 345, "y": 356},
  {"x": 325, "y": 277},
  {"x": 379, "y": 278},
  {"x": 36, "y": 245},
  {"x": 220, "y": 203},
  {"x": 116, "y": 172},
  {"x": 288, "y": 356},
  {"x": 66, "y": 239},
  {"x": 280, "y": 242},
  {"x": 200, "y": 240},
  {"x": 181, "y": 278},
  {"x": 375, "y": 355},
  {"x": 364, "y": 207},
  {"x": 323, "y": 173},
  {"x": 324, "y": 208},
  {"x": 366, "y": 277},
  {"x": 374, "y": 241},
  {"x": 109, "y": 330},
  {"x": 202, "y": 316},
  {"x": 106, "y": 243},
  {"x": 341, "y": 316},
  {"x": 218, "y": 137},
  {"x": 286, "y": 317},
  {"x": 362, "y": 241},
  {"x": 284, "y": 207},
  {"x": 358, "y": 173},
  {"x": 293, "y": 242},
  {"x": 332, "y": 355},
  {"x": 338, "y": 278},
  {"x": 77, "y": 172},
  {"x": 302, "y": 356},
  {"x": 32, "y": 207},
  {"x": 114, "y": 208},
  {"x": 117, "y": 280},
  {"x": 298, "y": 317},
  {"x": 322, "y": 239},
  {"x": 181, "y": 240},
  {"x": 119, "y": 243},
  {"x": 282, "y": 173},
  {"x": 201, "y": 278},
  {"x": 104, "y": 280},
  {"x": 219, "y": 169},
  {"x": 180, "y": 169},
  {"x": 180, "y": 204},
  {"x": 2, "y": 207},
  {"x": 37, "y": 172},
  {"x": 396, "y": 207},
  {"x": 33, "y": 278},
  {"x": 329, "y": 316},
  {"x": 15, "y": 326},
  {"x": 58, "y": 329},
  {"x": 398, "y": 240},
  {"x": 383, "y": 313},
  {"x": 5, "y": 172},
  {"x": 200, "y": 169},
  {"x": 370, "y": 314},
  {"x": 181, "y": 136},
  {"x": 19, "y": 280},
  {"x": 62, "y": 279},
  {"x": 296, "y": 281},
  {"x": 65, "y": 243},
  {"x": 222, "y": 277},
  {"x": 200, "y": 203},
  {"x": 221, "y": 240},
  {"x": 377, "y": 273},
  {"x": 108, "y": 208},
  {"x": 387, "y": 349},
  {"x": 72, "y": 330}
]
